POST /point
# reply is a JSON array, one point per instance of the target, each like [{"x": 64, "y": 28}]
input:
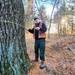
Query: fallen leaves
[{"x": 59, "y": 60}]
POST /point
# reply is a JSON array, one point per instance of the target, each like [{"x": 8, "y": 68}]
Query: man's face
[{"x": 37, "y": 21}]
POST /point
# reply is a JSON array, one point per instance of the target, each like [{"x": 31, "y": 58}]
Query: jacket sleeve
[
  {"x": 31, "y": 31},
  {"x": 43, "y": 29}
]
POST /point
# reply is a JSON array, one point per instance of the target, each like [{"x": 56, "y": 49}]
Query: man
[{"x": 39, "y": 35}]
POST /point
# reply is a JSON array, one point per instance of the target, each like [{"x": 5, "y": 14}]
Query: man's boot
[
  {"x": 42, "y": 64},
  {"x": 35, "y": 60}
]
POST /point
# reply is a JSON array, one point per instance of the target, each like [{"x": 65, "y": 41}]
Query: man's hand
[
  {"x": 37, "y": 28},
  {"x": 26, "y": 28}
]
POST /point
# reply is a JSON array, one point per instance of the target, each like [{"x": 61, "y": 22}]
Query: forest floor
[{"x": 59, "y": 56}]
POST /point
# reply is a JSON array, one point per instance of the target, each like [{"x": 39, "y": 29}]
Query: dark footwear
[
  {"x": 36, "y": 60},
  {"x": 42, "y": 62},
  {"x": 42, "y": 66}
]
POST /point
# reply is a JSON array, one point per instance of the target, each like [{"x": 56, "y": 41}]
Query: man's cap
[{"x": 36, "y": 18}]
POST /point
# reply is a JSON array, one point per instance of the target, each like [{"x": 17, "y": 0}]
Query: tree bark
[{"x": 13, "y": 56}]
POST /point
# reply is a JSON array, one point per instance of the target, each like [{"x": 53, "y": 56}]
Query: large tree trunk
[{"x": 13, "y": 56}]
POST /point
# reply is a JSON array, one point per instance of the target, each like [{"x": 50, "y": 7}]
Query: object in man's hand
[{"x": 37, "y": 28}]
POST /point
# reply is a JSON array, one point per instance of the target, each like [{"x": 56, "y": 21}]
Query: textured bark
[{"x": 13, "y": 56}]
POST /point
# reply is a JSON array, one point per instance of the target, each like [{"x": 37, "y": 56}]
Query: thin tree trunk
[
  {"x": 39, "y": 11},
  {"x": 51, "y": 19},
  {"x": 58, "y": 30},
  {"x": 13, "y": 56}
]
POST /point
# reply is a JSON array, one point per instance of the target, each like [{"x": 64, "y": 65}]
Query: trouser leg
[
  {"x": 42, "y": 50},
  {"x": 42, "y": 53},
  {"x": 36, "y": 50}
]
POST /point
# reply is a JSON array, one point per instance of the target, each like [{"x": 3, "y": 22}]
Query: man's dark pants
[{"x": 40, "y": 45}]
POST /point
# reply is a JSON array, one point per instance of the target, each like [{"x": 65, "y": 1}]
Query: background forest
[{"x": 57, "y": 14}]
